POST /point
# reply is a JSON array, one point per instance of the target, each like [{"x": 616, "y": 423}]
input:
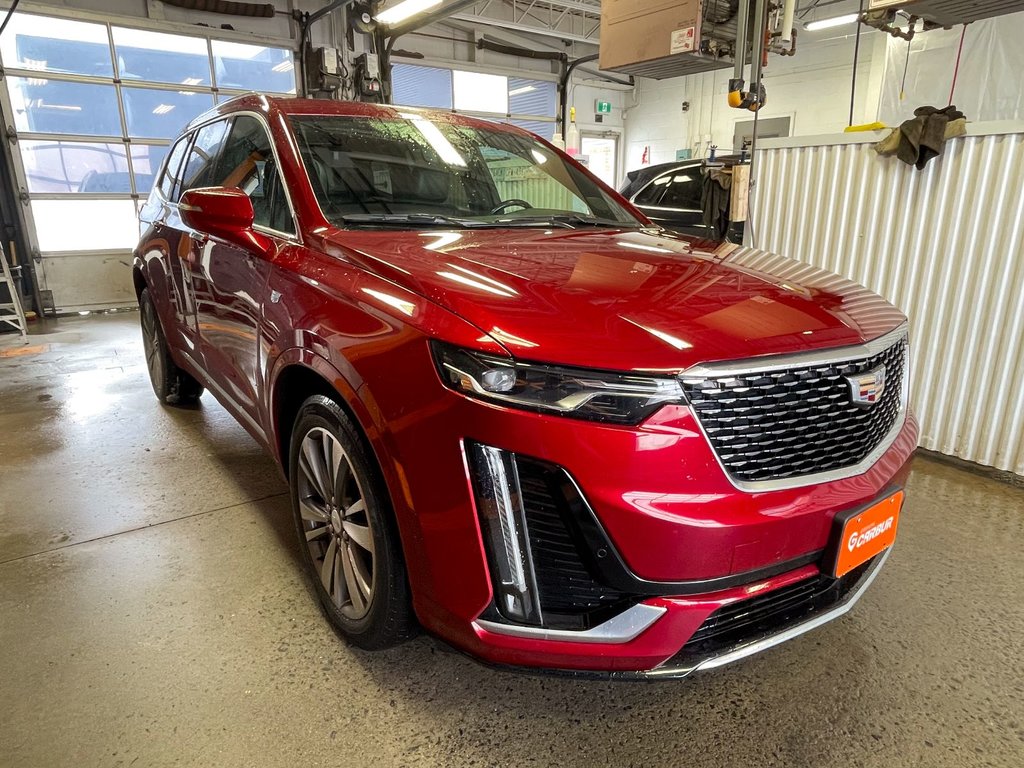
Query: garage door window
[
  {"x": 527, "y": 103},
  {"x": 45, "y": 105},
  {"x": 45, "y": 44},
  {"x": 96, "y": 106}
]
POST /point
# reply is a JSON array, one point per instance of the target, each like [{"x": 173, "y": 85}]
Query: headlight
[{"x": 616, "y": 398}]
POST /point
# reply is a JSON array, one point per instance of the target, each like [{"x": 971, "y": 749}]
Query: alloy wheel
[
  {"x": 336, "y": 522},
  {"x": 151, "y": 344}
]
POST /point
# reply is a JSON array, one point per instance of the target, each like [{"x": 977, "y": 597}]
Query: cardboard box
[{"x": 638, "y": 31}]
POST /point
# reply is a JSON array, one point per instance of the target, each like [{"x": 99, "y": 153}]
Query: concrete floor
[{"x": 152, "y": 612}]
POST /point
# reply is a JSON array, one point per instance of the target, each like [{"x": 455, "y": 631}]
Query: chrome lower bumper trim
[
  {"x": 627, "y": 626},
  {"x": 749, "y": 649}
]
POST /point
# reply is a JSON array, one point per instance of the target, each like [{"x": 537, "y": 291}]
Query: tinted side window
[
  {"x": 171, "y": 175},
  {"x": 652, "y": 193},
  {"x": 248, "y": 163},
  {"x": 199, "y": 169},
  {"x": 683, "y": 192}
]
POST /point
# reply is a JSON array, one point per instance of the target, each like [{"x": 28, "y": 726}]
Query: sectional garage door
[{"x": 94, "y": 107}]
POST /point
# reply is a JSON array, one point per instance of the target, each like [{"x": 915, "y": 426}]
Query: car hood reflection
[{"x": 623, "y": 299}]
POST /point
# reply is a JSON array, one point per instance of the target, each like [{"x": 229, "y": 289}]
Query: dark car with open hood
[{"x": 510, "y": 409}]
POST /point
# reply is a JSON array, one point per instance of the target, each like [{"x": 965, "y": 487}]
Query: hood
[{"x": 623, "y": 300}]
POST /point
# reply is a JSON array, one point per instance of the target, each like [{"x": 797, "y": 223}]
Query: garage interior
[{"x": 152, "y": 607}]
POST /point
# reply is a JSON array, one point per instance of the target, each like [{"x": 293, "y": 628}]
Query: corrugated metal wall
[{"x": 945, "y": 244}]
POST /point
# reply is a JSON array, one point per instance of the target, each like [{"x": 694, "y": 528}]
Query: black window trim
[
  {"x": 190, "y": 134},
  {"x": 186, "y": 139}
]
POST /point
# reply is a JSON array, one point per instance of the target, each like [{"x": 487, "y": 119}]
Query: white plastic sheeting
[
  {"x": 945, "y": 244},
  {"x": 988, "y": 85}
]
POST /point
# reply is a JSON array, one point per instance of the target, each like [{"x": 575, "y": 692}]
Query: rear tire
[
  {"x": 346, "y": 529},
  {"x": 171, "y": 385}
]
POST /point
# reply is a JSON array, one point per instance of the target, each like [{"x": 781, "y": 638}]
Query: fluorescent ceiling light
[
  {"x": 835, "y": 21},
  {"x": 404, "y": 10},
  {"x": 521, "y": 91},
  {"x": 284, "y": 66},
  {"x": 163, "y": 109},
  {"x": 192, "y": 81}
]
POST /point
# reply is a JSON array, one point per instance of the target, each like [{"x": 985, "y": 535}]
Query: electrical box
[
  {"x": 950, "y": 13},
  {"x": 328, "y": 58}
]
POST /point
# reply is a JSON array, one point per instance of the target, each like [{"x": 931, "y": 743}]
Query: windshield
[{"x": 419, "y": 171}]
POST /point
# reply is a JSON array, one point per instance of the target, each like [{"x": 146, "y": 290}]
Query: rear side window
[
  {"x": 172, "y": 174},
  {"x": 683, "y": 191},
  {"x": 651, "y": 194},
  {"x": 248, "y": 163},
  {"x": 200, "y": 167}
]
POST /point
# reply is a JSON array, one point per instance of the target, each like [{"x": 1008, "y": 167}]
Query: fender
[{"x": 356, "y": 396}]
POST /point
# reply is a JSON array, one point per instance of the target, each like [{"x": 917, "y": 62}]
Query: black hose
[
  {"x": 856, "y": 54},
  {"x": 563, "y": 86},
  {"x": 7, "y": 18},
  {"x": 227, "y": 7},
  {"x": 303, "y": 36},
  {"x": 523, "y": 53}
]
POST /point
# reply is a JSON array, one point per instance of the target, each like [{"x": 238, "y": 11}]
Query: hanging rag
[
  {"x": 922, "y": 137},
  {"x": 714, "y": 200}
]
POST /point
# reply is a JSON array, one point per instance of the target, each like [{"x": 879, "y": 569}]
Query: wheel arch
[
  {"x": 138, "y": 280},
  {"x": 300, "y": 374}
]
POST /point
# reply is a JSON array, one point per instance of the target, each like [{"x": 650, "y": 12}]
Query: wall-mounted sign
[{"x": 602, "y": 107}]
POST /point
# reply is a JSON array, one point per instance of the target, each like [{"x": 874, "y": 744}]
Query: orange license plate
[{"x": 867, "y": 533}]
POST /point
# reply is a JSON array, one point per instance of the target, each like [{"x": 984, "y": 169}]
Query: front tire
[
  {"x": 346, "y": 528},
  {"x": 171, "y": 385}
]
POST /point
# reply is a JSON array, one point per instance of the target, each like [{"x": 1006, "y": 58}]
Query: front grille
[
  {"x": 566, "y": 585},
  {"x": 796, "y": 421},
  {"x": 748, "y": 620}
]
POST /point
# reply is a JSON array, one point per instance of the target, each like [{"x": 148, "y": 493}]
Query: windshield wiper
[
  {"x": 406, "y": 219},
  {"x": 567, "y": 220},
  {"x": 579, "y": 220}
]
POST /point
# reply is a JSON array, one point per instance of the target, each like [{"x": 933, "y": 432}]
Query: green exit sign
[{"x": 602, "y": 107}]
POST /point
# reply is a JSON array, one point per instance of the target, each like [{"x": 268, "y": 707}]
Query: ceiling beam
[
  {"x": 527, "y": 29},
  {"x": 573, "y": 5}
]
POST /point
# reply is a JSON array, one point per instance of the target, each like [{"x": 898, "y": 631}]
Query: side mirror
[{"x": 224, "y": 213}]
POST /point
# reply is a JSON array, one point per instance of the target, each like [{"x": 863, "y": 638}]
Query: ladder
[{"x": 12, "y": 312}]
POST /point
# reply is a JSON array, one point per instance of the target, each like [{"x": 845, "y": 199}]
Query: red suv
[{"x": 509, "y": 406}]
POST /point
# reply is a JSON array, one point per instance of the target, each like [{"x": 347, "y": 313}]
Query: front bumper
[
  {"x": 693, "y": 542},
  {"x": 787, "y": 623}
]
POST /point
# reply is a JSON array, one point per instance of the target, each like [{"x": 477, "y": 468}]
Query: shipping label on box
[{"x": 682, "y": 40}]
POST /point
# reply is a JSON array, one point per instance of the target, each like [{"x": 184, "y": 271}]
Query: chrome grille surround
[{"x": 785, "y": 421}]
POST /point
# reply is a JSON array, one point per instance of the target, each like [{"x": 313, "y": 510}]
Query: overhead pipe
[
  {"x": 754, "y": 98},
  {"x": 426, "y": 19},
  {"x": 788, "y": 11},
  {"x": 757, "y": 37},
  {"x": 739, "y": 55}
]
